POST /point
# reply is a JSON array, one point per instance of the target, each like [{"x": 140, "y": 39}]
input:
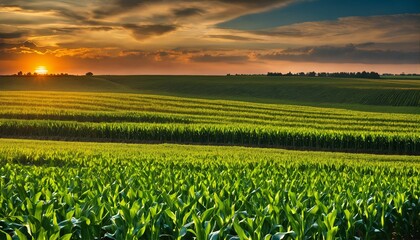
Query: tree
[
  {"x": 311, "y": 74},
  {"x": 90, "y": 74},
  {"x": 20, "y": 73}
]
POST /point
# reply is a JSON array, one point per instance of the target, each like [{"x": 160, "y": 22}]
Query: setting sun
[{"x": 41, "y": 70}]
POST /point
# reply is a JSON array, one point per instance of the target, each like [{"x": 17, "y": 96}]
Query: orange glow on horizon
[
  {"x": 41, "y": 70},
  {"x": 130, "y": 66}
]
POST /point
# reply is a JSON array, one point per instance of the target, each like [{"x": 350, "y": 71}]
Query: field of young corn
[
  {"x": 69, "y": 190},
  {"x": 76, "y": 189},
  {"x": 161, "y": 119}
]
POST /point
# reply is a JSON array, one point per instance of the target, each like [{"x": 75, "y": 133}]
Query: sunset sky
[{"x": 209, "y": 37}]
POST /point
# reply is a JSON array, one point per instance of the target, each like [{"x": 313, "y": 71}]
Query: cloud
[
  {"x": 207, "y": 58},
  {"x": 120, "y": 6},
  {"x": 232, "y": 37},
  {"x": 220, "y": 9},
  {"x": 29, "y": 44},
  {"x": 187, "y": 12},
  {"x": 142, "y": 32},
  {"x": 12, "y": 51},
  {"x": 132, "y": 3},
  {"x": 344, "y": 54},
  {"x": 390, "y": 28},
  {"x": 365, "y": 44},
  {"x": 10, "y": 35},
  {"x": 56, "y": 23},
  {"x": 72, "y": 30},
  {"x": 26, "y": 44}
]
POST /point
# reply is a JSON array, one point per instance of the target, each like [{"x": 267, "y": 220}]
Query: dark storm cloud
[
  {"x": 219, "y": 58},
  {"x": 187, "y": 12},
  {"x": 345, "y": 54},
  {"x": 146, "y": 31},
  {"x": 233, "y": 37},
  {"x": 26, "y": 44},
  {"x": 29, "y": 44},
  {"x": 10, "y": 51},
  {"x": 11, "y": 35},
  {"x": 6, "y": 45}
]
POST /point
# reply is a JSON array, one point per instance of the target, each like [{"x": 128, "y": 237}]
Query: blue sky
[{"x": 321, "y": 10}]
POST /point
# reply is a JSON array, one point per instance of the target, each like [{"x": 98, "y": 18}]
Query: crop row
[
  {"x": 136, "y": 117},
  {"x": 215, "y": 134},
  {"x": 147, "y": 117},
  {"x": 96, "y": 116},
  {"x": 31, "y": 112},
  {"x": 51, "y": 190},
  {"x": 127, "y": 102},
  {"x": 408, "y": 97},
  {"x": 160, "y": 109}
]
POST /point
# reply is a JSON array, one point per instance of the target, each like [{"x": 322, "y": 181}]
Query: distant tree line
[
  {"x": 364, "y": 74},
  {"x": 401, "y": 74},
  {"x": 30, "y": 74},
  {"x": 245, "y": 74}
]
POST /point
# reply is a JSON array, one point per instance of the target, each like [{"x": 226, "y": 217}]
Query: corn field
[
  {"x": 160, "y": 119},
  {"x": 104, "y": 179},
  {"x": 59, "y": 190}
]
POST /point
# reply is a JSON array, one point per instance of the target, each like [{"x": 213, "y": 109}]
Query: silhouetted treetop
[{"x": 364, "y": 74}]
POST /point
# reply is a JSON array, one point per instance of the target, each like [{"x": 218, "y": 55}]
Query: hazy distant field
[
  {"x": 327, "y": 92},
  {"x": 84, "y": 187}
]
